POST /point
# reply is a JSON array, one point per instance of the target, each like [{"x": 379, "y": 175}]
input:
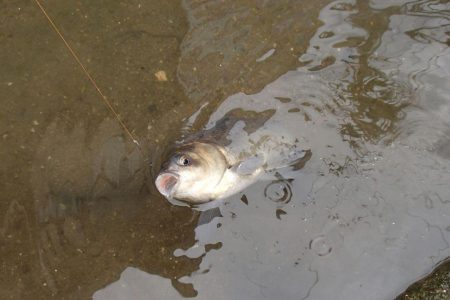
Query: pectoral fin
[
  {"x": 289, "y": 166},
  {"x": 299, "y": 159},
  {"x": 249, "y": 165}
]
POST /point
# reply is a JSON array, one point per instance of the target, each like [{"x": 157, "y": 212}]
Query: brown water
[{"x": 363, "y": 84}]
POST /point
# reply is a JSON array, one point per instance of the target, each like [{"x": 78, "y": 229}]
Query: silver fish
[{"x": 225, "y": 159}]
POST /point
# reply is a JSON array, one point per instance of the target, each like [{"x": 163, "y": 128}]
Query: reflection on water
[
  {"x": 362, "y": 85},
  {"x": 359, "y": 213}
]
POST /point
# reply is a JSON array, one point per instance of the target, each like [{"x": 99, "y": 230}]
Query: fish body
[{"x": 223, "y": 160}]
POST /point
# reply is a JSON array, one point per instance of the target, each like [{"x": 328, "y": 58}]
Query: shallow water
[{"x": 364, "y": 86}]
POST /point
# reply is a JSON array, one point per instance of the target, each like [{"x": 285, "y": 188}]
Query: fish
[{"x": 218, "y": 162}]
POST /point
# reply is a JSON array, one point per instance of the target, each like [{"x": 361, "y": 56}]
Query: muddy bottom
[{"x": 363, "y": 87}]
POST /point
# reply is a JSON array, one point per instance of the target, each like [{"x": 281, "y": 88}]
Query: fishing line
[{"x": 105, "y": 100}]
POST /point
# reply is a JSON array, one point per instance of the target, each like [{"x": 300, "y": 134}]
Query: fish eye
[{"x": 184, "y": 161}]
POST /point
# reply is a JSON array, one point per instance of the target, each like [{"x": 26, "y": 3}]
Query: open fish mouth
[{"x": 165, "y": 182}]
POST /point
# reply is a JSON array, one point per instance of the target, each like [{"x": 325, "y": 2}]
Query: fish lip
[{"x": 166, "y": 192}]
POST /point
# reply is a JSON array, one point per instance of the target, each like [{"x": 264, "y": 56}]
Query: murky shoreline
[{"x": 365, "y": 85}]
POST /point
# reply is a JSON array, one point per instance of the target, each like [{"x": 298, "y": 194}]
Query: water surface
[{"x": 364, "y": 86}]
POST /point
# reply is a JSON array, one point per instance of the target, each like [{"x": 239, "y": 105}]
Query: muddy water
[{"x": 364, "y": 86}]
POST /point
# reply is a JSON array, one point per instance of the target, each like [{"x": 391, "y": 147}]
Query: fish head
[{"x": 192, "y": 172}]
